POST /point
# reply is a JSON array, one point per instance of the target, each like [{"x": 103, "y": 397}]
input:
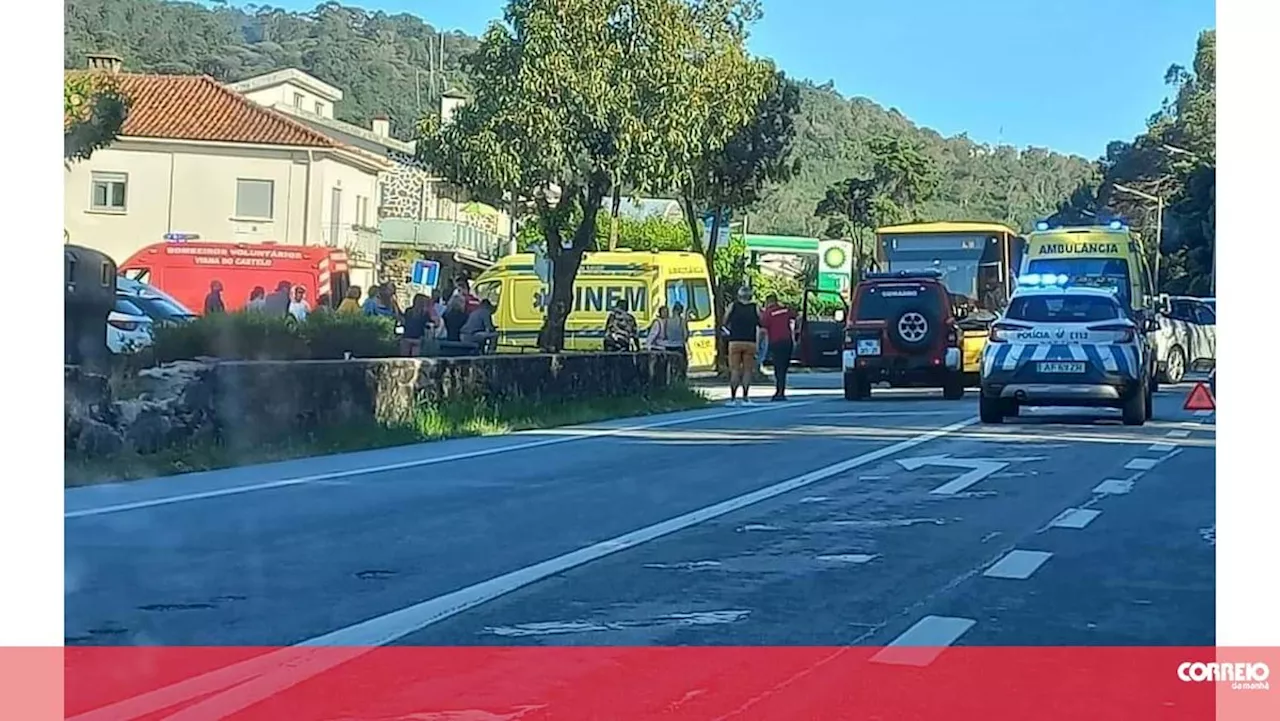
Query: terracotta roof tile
[{"x": 197, "y": 107}]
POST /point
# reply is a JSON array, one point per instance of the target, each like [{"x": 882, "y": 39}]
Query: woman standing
[
  {"x": 677, "y": 333},
  {"x": 656, "y": 339},
  {"x": 416, "y": 321}
]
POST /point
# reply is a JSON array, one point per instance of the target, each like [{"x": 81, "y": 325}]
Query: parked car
[
  {"x": 138, "y": 309},
  {"x": 1187, "y": 339}
]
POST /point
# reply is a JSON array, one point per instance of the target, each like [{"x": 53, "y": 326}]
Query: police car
[{"x": 1064, "y": 345}]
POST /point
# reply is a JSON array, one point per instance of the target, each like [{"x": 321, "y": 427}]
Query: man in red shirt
[{"x": 779, "y": 325}]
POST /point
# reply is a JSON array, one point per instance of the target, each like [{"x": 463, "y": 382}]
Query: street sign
[
  {"x": 1201, "y": 399},
  {"x": 425, "y": 272},
  {"x": 979, "y": 469}
]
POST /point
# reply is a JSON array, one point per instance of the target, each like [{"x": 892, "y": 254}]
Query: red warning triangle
[{"x": 1200, "y": 399}]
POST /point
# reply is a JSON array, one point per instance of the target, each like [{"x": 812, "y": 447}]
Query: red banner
[{"x": 538, "y": 683}]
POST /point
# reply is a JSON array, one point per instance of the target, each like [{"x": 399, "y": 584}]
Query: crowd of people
[
  {"x": 287, "y": 300},
  {"x": 465, "y": 319},
  {"x": 749, "y": 331}
]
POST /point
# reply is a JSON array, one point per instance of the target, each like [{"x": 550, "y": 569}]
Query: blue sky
[{"x": 1071, "y": 75}]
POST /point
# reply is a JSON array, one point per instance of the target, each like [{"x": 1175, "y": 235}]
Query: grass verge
[{"x": 451, "y": 420}]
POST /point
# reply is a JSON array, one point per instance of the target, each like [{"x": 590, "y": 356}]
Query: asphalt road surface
[{"x": 814, "y": 522}]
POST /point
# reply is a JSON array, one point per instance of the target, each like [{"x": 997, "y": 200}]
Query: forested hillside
[{"x": 387, "y": 63}]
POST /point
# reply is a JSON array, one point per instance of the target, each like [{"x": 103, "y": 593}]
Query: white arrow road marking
[{"x": 979, "y": 469}]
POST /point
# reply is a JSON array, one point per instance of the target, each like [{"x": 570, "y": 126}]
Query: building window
[
  {"x": 297, "y": 100},
  {"x": 362, "y": 211},
  {"x": 319, "y": 108},
  {"x": 255, "y": 199},
  {"x": 109, "y": 192}
]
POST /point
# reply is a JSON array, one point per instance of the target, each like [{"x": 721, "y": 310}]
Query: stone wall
[{"x": 241, "y": 403}]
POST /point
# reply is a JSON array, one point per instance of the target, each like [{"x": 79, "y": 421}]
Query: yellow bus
[
  {"x": 978, "y": 262},
  {"x": 646, "y": 280}
]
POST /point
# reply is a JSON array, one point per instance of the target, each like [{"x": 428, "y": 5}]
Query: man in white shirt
[{"x": 298, "y": 307}]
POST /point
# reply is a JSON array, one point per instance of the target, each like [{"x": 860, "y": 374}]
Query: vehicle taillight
[
  {"x": 125, "y": 325},
  {"x": 1000, "y": 332},
  {"x": 1124, "y": 333}
]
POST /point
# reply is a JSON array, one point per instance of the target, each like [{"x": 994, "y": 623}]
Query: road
[{"x": 814, "y": 522}]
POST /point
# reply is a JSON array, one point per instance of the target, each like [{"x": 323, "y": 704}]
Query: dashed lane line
[
  {"x": 1179, "y": 433},
  {"x": 1141, "y": 464},
  {"x": 924, "y": 641},
  {"x": 1113, "y": 487},
  {"x": 1018, "y": 564},
  {"x": 1161, "y": 447},
  {"x": 1075, "y": 518}
]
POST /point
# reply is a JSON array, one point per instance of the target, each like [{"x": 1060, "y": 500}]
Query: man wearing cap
[
  {"x": 742, "y": 327},
  {"x": 779, "y": 325}
]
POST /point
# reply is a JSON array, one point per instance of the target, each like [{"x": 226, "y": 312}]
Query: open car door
[{"x": 821, "y": 329}]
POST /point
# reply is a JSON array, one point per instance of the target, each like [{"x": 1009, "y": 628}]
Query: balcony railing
[
  {"x": 362, "y": 244},
  {"x": 442, "y": 235}
]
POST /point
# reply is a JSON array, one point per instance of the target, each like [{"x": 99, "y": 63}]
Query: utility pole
[{"x": 1159, "y": 201}]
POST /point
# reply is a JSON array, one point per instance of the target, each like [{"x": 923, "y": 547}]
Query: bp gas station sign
[{"x": 835, "y": 265}]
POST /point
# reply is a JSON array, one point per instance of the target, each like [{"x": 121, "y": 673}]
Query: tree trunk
[
  {"x": 717, "y": 302},
  {"x": 563, "y": 272},
  {"x": 565, "y": 263},
  {"x": 613, "y": 223}
]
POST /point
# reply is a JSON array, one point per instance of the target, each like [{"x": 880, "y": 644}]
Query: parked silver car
[{"x": 1187, "y": 339}]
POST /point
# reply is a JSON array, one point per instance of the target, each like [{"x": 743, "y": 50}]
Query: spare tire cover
[{"x": 915, "y": 328}]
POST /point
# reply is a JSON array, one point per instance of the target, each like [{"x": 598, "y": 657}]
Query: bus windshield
[
  {"x": 959, "y": 275},
  {"x": 957, "y": 256}
]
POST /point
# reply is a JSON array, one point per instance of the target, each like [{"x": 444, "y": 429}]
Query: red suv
[{"x": 901, "y": 330}]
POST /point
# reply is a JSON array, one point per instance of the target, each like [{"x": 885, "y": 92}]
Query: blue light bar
[
  {"x": 1047, "y": 280},
  {"x": 181, "y": 237},
  {"x": 1116, "y": 225},
  {"x": 1042, "y": 225}
]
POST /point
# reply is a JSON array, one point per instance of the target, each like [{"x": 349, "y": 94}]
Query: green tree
[
  {"x": 577, "y": 97},
  {"x": 902, "y": 177},
  {"x": 1175, "y": 160},
  {"x": 731, "y": 176},
  {"x": 93, "y": 112}
]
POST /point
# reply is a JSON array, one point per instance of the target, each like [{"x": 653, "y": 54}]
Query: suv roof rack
[{"x": 904, "y": 275}]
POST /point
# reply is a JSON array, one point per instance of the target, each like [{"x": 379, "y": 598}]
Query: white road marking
[
  {"x": 1179, "y": 433},
  {"x": 1204, "y": 414},
  {"x": 1075, "y": 518},
  {"x": 850, "y": 557},
  {"x": 584, "y": 435},
  {"x": 1161, "y": 447},
  {"x": 815, "y": 499},
  {"x": 1114, "y": 487},
  {"x": 758, "y": 527},
  {"x": 924, "y": 641},
  {"x": 1018, "y": 564},
  {"x": 263, "y": 676},
  {"x": 979, "y": 469},
  {"x": 1141, "y": 464}
]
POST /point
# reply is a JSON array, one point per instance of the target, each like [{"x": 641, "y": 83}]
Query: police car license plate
[
  {"x": 1060, "y": 367},
  {"x": 868, "y": 346}
]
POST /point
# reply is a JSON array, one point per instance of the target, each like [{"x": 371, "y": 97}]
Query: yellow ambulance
[
  {"x": 1109, "y": 254},
  {"x": 646, "y": 280}
]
